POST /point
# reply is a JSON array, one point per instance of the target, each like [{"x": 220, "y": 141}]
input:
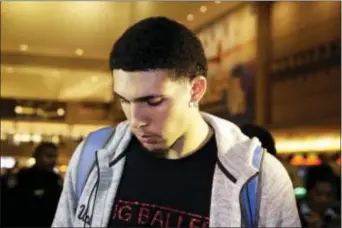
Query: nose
[{"x": 138, "y": 116}]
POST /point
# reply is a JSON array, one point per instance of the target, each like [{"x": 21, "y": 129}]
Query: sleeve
[
  {"x": 278, "y": 207},
  {"x": 67, "y": 204}
]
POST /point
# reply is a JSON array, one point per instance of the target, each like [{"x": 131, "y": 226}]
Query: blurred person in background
[
  {"x": 265, "y": 137},
  {"x": 317, "y": 209},
  {"x": 268, "y": 142},
  {"x": 330, "y": 162},
  {"x": 37, "y": 189}
]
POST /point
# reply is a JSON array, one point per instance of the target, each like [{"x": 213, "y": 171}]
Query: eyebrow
[{"x": 141, "y": 99}]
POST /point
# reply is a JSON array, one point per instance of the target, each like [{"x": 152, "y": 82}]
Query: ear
[{"x": 198, "y": 88}]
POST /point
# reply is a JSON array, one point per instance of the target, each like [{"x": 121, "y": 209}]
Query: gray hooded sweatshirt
[{"x": 277, "y": 201}]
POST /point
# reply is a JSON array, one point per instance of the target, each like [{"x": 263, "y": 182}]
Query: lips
[{"x": 147, "y": 138}]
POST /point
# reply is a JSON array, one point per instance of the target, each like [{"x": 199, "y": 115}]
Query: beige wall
[
  {"x": 295, "y": 27},
  {"x": 313, "y": 98},
  {"x": 298, "y": 26}
]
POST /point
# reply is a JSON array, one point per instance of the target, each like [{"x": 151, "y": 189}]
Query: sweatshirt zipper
[{"x": 242, "y": 203}]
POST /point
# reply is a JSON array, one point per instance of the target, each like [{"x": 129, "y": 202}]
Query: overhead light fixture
[
  {"x": 18, "y": 109},
  {"x": 190, "y": 17},
  {"x": 23, "y": 47},
  {"x": 21, "y": 137},
  {"x": 36, "y": 138},
  {"x": 79, "y": 52},
  {"x": 327, "y": 143},
  {"x": 203, "y": 9},
  {"x": 60, "y": 112},
  {"x": 217, "y": 2},
  {"x": 55, "y": 139},
  {"x": 7, "y": 162},
  {"x": 30, "y": 162}
]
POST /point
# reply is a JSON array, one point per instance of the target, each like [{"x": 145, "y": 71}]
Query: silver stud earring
[{"x": 191, "y": 104}]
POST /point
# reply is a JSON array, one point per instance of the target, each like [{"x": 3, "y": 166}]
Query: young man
[{"x": 169, "y": 165}]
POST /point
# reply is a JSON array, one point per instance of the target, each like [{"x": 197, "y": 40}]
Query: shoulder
[
  {"x": 273, "y": 171},
  {"x": 24, "y": 172},
  {"x": 278, "y": 204},
  {"x": 276, "y": 182}
]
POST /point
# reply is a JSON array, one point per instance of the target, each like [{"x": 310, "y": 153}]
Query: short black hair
[
  {"x": 265, "y": 137},
  {"x": 159, "y": 43},
  {"x": 42, "y": 147},
  {"x": 315, "y": 174}
]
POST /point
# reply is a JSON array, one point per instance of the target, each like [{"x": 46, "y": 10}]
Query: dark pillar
[{"x": 263, "y": 61}]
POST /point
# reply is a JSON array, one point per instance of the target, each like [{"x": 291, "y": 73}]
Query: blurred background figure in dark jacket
[
  {"x": 268, "y": 142},
  {"x": 35, "y": 192},
  {"x": 264, "y": 136},
  {"x": 318, "y": 208}
]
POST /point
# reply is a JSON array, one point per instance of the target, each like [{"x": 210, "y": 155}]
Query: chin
[{"x": 155, "y": 148}]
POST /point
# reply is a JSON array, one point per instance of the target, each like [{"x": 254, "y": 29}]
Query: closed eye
[
  {"x": 155, "y": 101},
  {"x": 151, "y": 102}
]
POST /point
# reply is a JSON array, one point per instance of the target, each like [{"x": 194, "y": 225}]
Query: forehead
[
  {"x": 48, "y": 152},
  {"x": 143, "y": 83}
]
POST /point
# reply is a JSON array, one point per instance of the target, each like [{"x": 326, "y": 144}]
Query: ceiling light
[
  {"x": 55, "y": 139},
  {"x": 217, "y": 2},
  {"x": 9, "y": 70},
  {"x": 18, "y": 109},
  {"x": 94, "y": 79},
  {"x": 23, "y": 47},
  {"x": 79, "y": 52},
  {"x": 7, "y": 162},
  {"x": 60, "y": 112},
  {"x": 36, "y": 138},
  {"x": 18, "y": 138},
  {"x": 190, "y": 17},
  {"x": 31, "y": 161},
  {"x": 203, "y": 9}
]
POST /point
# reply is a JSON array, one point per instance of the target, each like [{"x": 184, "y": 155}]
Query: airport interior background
[{"x": 56, "y": 84}]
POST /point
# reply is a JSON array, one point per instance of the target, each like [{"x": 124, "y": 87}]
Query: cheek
[
  {"x": 176, "y": 120},
  {"x": 160, "y": 115}
]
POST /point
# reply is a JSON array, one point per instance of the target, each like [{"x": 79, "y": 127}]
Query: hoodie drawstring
[{"x": 89, "y": 219}]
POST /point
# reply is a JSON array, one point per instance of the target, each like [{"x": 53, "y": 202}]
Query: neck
[{"x": 197, "y": 134}]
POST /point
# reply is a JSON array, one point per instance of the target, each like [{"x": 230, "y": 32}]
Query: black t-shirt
[{"x": 159, "y": 192}]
